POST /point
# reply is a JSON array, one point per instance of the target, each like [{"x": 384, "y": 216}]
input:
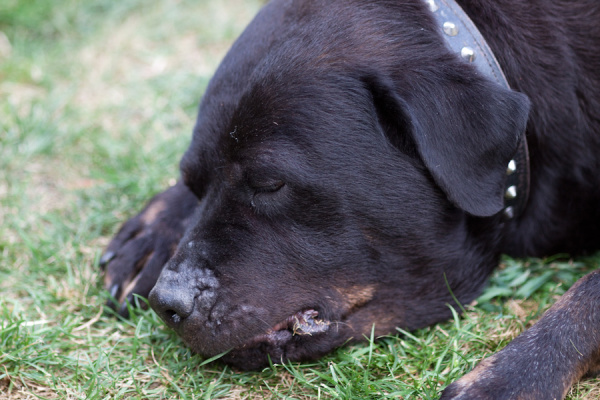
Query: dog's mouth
[{"x": 302, "y": 323}]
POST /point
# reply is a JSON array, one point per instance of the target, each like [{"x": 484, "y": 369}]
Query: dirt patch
[{"x": 24, "y": 390}]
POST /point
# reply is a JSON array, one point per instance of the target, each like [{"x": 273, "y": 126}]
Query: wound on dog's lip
[{"x": 303, "y": 323}]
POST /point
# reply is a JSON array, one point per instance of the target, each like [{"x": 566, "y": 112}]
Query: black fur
[{"x": 346, "y": 168}]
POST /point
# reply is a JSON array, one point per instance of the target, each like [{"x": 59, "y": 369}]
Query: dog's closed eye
[
  {"x": 266, "y": 198},
  {"x": 267, "y": 186}
]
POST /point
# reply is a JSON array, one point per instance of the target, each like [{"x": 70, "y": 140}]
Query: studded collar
[{"x": 463, "y": 37}]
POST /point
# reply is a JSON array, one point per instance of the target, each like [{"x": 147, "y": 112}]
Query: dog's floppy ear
[{"x": 464, "y": 130}]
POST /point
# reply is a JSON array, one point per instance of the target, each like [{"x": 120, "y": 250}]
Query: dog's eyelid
[
  {"x": 268, "y": 197},
  {"x": 267, "y": 186}
]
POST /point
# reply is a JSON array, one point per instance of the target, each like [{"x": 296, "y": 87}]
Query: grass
[{"x": 97, "y": 100}]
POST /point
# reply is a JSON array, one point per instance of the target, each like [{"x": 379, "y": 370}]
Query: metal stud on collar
[
  {"x": 509, "y": 212},
  {"x": 464, "y": 39},
  {"x": 450, "y": 28},
  {"x": 512, "y": 167},
  {"x": 468, "y": 54},
  {"x": 432, "y": 6},
  {"x": 511, "y": 192}
]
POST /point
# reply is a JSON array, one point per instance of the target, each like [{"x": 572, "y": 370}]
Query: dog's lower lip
[{"x": 302, "y": 323}]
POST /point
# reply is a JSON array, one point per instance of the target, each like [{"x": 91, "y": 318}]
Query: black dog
[{"x": 347, "y": 168}]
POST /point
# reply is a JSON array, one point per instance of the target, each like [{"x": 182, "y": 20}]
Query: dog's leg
[
  {"x": 546, "y": 360},
  {"x": 136, "y": 255}
]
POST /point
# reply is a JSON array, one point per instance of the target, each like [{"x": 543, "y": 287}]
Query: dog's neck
[{"x": 463, "y": 37}]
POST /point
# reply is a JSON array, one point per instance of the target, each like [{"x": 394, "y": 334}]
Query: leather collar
[{"x": 463, "y": 37}]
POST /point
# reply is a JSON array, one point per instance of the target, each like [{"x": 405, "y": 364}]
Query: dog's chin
[{"x": 289, "y": 339}]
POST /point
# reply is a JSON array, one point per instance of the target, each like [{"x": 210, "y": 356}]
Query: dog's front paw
[
  {"x": 137, "y": 254},
  {"x": 544, "y": 361},
  {"x": 526, "y": 369},
  {"x": 482, "y": 383}
]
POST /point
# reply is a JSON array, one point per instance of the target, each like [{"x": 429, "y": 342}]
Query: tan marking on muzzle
[{"x": 357, "y": 295}]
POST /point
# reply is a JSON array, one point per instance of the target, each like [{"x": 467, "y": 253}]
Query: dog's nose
[
  {"x": 183, "y": 288},
  {"x": 173, "y": 305}
]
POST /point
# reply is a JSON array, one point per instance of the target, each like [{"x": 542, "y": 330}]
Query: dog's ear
[{"x": 465, "y": 131}]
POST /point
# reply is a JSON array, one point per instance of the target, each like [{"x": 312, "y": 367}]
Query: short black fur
[{"x": 346, "y": 169}]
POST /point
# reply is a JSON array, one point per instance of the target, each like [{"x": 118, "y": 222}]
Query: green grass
[{"x": 97, "y": 102}]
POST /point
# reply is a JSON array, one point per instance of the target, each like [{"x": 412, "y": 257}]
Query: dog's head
[{"x": 349, "y": 171}]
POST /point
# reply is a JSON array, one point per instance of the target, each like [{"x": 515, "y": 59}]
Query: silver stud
[
  {"x": 468, "y": 54},
  {"x": 509, "y": 212},
  {"x": 432, "y": 6},
  {"x": 450, "y": 28},
  {"x": 511, "y": 192},
  {"x": 512, "y": 167}
]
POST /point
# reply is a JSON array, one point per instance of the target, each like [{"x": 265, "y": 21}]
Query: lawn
[{"x": 97, "y": 102}]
